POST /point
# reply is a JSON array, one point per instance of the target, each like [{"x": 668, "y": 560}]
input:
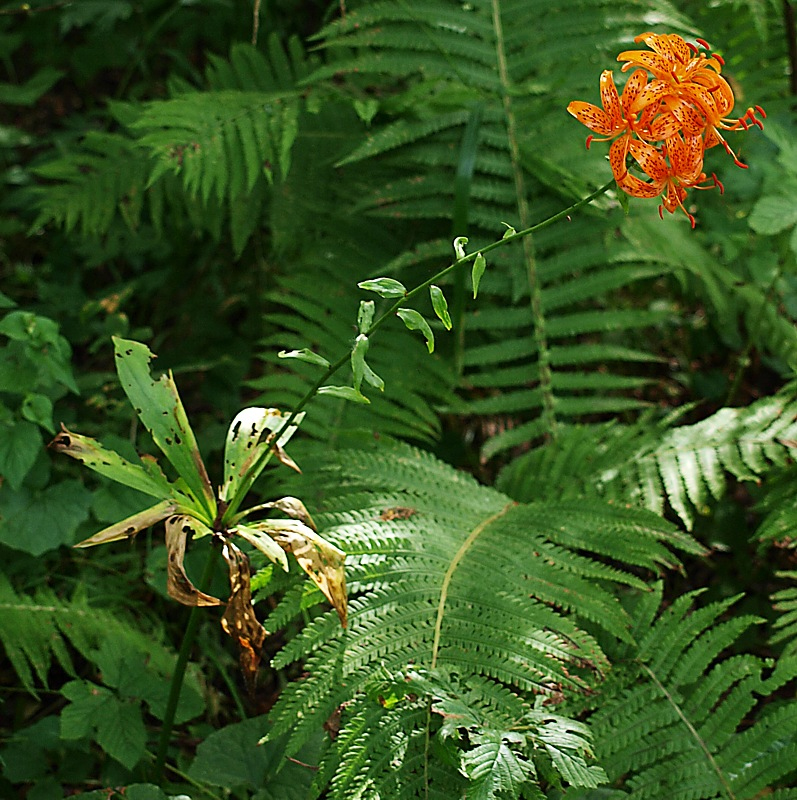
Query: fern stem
[
  {"x": 236, "y": 501},
  {"x": 452, "y": 567},
  {"x": 178, "y": 677},
  {"x": 726, "y": 788},
  {"x": 548, "y": 414}
]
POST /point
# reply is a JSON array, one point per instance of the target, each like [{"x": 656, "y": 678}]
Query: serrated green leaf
[
  {"x": 384, "y": 287},
  {"x": 159, "y": 407},
  {"x": 479, "y": 265},
  {"x": 344, "y": 393},
  {"x": 365, "y": 316},
  {"x": 20, "y": 444},
  {"x": 38, "y": 408},
  {"x": 304, "y": 355},
  {"x": 38, "y": 521},
  {"x": 415, "y": 322},
  {"x": 440, "y": 306}
]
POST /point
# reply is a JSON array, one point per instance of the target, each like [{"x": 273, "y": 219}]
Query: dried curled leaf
[
  {"x": 179, "y": 586},
  {"x": 320, "y": 559},
  {"x": 239, "y": 620}
]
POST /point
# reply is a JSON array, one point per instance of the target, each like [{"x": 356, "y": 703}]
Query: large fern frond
[
  {"x": 652, "y": 464},
  {"x": 678, "y": 718},
  {"x": 455, "y": 582}
]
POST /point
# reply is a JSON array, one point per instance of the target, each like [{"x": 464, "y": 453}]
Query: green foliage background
[{"x": 570, "y": 529}]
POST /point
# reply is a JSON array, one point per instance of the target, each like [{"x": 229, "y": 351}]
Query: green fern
[
  {"x": 677, "y": 718},
  {"x": 785, "y": 625},
  {"x": 652, "y": 464},
  {"x": 486, "y": 600}
]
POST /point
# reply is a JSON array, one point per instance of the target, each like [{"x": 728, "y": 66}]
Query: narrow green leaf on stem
[
  {"x": 384, "y": 287},
  {"x": 440, "y": 306},
  {"x": 344, "y": 393},
  {"x": 365, "y": 316},
  {"x": 415, "y": 322},
  {"x": 479, "y": 265},
  {"x": 304, "y": 355}
]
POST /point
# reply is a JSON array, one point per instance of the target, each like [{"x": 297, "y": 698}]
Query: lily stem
[{"x": 176, "y": 686}]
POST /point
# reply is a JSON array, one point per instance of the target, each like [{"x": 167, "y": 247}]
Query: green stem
[
  {"x": 436, "y": 278},
  {"x": 178, "y": 677},
  {"x": 535, "y": 293}
]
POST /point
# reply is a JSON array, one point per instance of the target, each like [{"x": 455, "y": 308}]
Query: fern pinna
[
  {"x": 678, "y": 718},
  {"x": 469, "y": 620}
]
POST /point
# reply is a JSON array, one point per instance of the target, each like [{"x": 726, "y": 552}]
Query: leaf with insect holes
[
  {"x": 365, "y": 315},
  {"x": 239, "y": 620},
  {"x": 440, "y": 306},
  {"x": 249, "y": 438},
  {"x": 159, "y": 407},
  {"x": 479, "y": 265},
  {"x": 384, "y": 287},
  {"x": 320, "y": 559},
  {"x": 304, "y": 355},
  {"x": 344, "y": 393},
  {"x": 111, "y": 465},
  {"x": 178, "y": 585},
  {"x": 415, "y": 322},
  {"x": 131, "y": 525}
]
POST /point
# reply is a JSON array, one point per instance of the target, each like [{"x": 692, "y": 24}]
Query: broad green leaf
[
  {"x": 158, "y": 405},
  {"x": 773, "y": 214},
  {"x": 178, "y": 585},
  {"x": 440, "y": 306},
  {"x": 415, "y": 322},
  {"x": 384, "y": 287},
  {"x": 479, "y": 265},
  {"x": 304, "y": 355},
  {"x": 110, "y": 464},
  {"x": 459, "y": 246},
  {"x": 117, "y": 725},
  {"x": 130, "y": 526},
  {"x": 358, "y": 360},
  {"x": 36, "y": 521},
  {"x": 320, "y": 559},
  {"x": 344, "y": 393},
  {"x": 365, "y": 315},
  {"x": 20, "y": 443},
  {"x": 250, "y": 438},
  {"x": 38, "y": 408}
]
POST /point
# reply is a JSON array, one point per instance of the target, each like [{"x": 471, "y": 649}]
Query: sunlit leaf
[
  {"x": 479, "y": 265},
  {"x": 440, "y": 306},
  {"x": 130, "y": 526},
  {"x": 344, "y": 393},
  {"x": 263, "y": 542},
  {"x": 320, "y": 559},
  {"x": 459, "y": 246},
  {"x": 110, "y": 464}
]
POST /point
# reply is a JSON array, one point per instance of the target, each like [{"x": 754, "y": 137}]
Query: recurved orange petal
[
  {"x": 650, "y": 159},
  {"x": 593, "y": 117},
  {"x": 635, "y": 187}
]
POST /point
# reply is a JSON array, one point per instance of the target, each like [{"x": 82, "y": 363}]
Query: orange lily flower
[{"x": 671, "y": 178}]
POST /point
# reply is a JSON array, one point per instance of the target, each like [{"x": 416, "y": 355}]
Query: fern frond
[
  {"x": 677, "y": 718},
  {"x": 785, "y": 625},
  {"x": 424, "y": 543},
  {"x": 651, "y": 464}
]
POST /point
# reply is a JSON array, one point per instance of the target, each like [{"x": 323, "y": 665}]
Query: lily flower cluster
[{"x": 675, "y": 105}]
